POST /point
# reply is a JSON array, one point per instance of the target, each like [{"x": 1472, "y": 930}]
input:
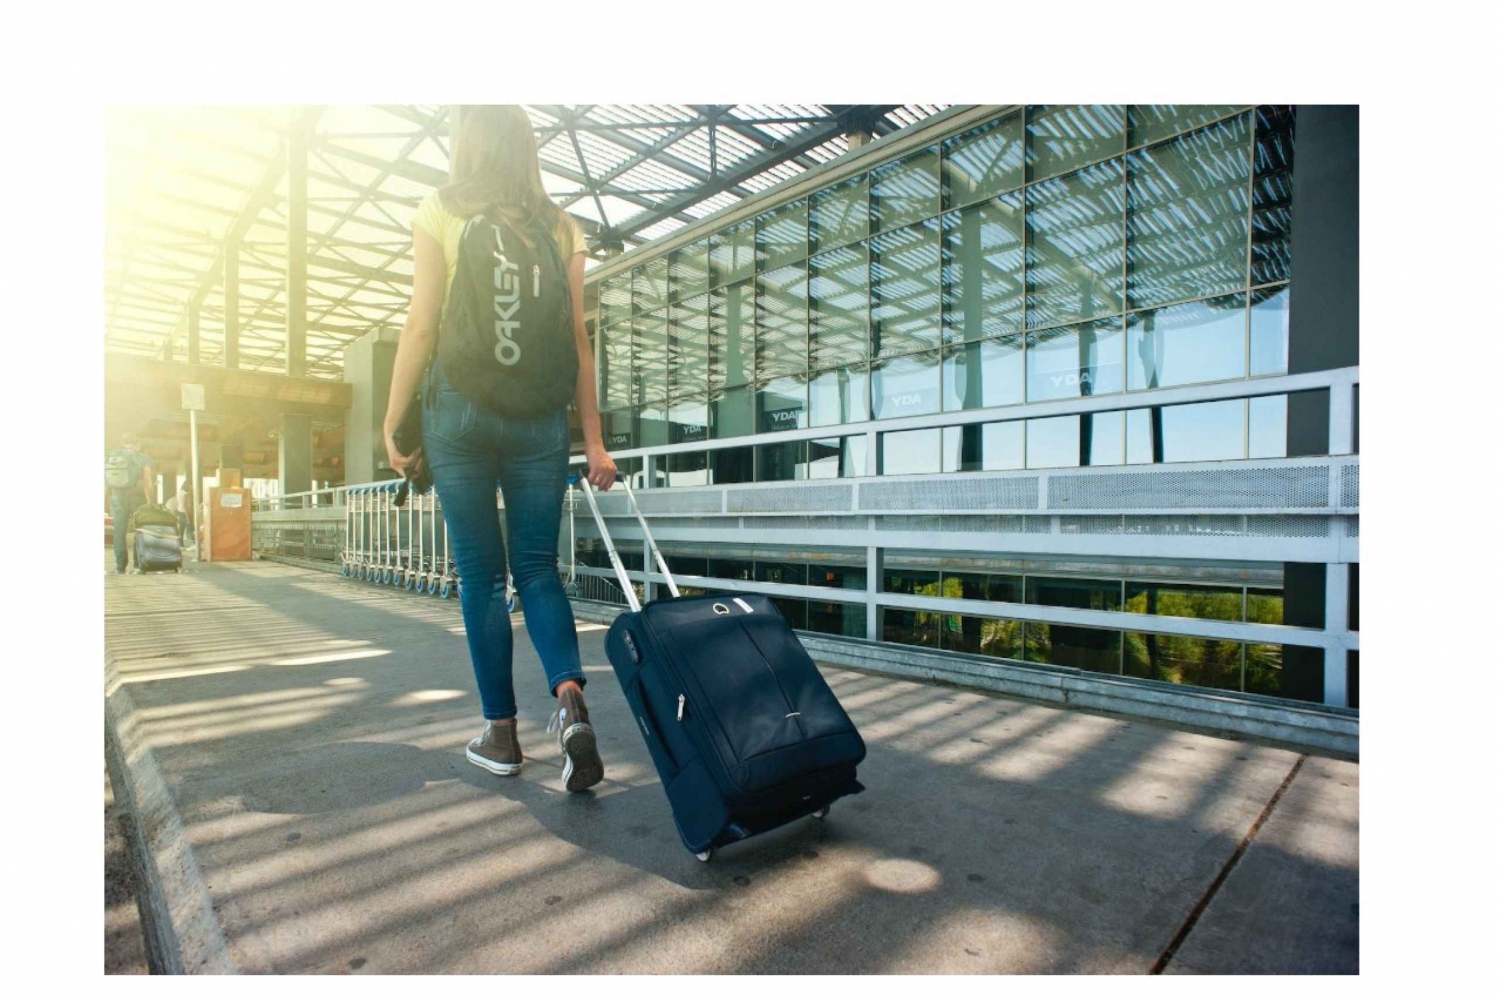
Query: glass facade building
[{"x": 1084, "y": 258}]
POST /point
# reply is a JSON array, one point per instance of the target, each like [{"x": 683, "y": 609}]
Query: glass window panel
[
  {"x": 1074, "y": 592},
  {"x": 984, "y": 374},
  {"x": 688, "y": 347},
  {"x": 909, "y": 581},
  {"x": 731, "y": 255},
  {"x": 726, "y": 569},
  {"x": 781, "y": 327},
  {"x": 733, "y": 465},
  {"x": 1073, "y": 646},
  {"x": 832, "y": 575},
  {"x": 825, "y": 459},
  {"x": 900, "y": 625},
  {"x": 905, "y": 191},
  {"x": 1188, "y": 432},
  {"x": 974, "y": 634},
  {"x": 1068, "y": 362},
  {"x": 686, "y": 566},
  {"x": 1220, "y": 603},
  {"x": 687, "y": 270},
  {"x": 649, "y": 357},
  {"x": 1052, "y": 442},
  {"x": 1267, "y": 427},
  {"x": 1191, "y": 342},
  {"x": 689, "y": 418},
  {"x": 732, "y": 411},
  {"x": 649, "y": 282},
  {"x": 781, "y": 235},
  {"x": 903, "y": 452},
  {"x": 836, "y": 618},
  {"x": 794, "y": 610},
  {"x": 616, "y": 388},
  {"x": 1270, "y": 316},
  {"x": 1150, "y": 122},
  {"x": 780, "y": 572},
  {"x": 785, "y": 460},
  {"x": 1263, "y": 668},
  {"x": 614, "y": 301},
  {"x": 782, "y": 404},
  {"x": 838, "y": 290},
  {"x": 905, "y": 386},
  {"x": 1062, "y": 137},
  {"x": 976, "y": 447},
  {"x": 687, "y": 469},
  {"x": 840, "y": 214},
  {"x": 983, "y": 163},
  {"x": 970, "y": 586},
  {"x": 651, "y": 426},
  {"x": 852, "y": 455},
  {"x": 1075, "y": 246},
  {"x": 731, "y": 336},
  {"x": 1189, "y": 215},
  {"x": 1101, "y": 440},
  {"x": 905, "y": 296},
  {"x": 839, "y": 396},
  {"x": 1271, "y": 240},
  {"x": 1354, "y": 597},
  {"x": 618, "y": 429},
  {"x": 1265, "y": 605},
  {"x": 1183, "y": 660},
  {"x": 983, "y": 252}
]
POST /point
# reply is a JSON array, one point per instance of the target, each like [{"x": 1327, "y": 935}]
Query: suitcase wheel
[
  {"x": 704, "y": 856},
  {"x": 820, "y": 814}
]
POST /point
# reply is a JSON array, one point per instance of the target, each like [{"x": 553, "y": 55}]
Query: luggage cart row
[{"x": 402, "y": 545}]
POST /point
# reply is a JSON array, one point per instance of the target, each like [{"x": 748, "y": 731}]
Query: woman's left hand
[{"x": 406, "y": 465}]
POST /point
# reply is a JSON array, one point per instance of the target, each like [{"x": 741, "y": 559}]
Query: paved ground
[
  {"x": 124, "y": 945},
  {"x": 312, "y": 731}
]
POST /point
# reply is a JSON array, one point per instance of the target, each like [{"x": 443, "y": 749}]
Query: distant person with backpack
[
  {"x": 497, "y": 309},
  {"x": 127, "y": 485}
]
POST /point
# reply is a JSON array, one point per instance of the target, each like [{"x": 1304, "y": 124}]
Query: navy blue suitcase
[{"x": 744, "y": 731}]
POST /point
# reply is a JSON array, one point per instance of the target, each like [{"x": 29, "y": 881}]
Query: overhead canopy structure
[{"x": 203, "y": 205}]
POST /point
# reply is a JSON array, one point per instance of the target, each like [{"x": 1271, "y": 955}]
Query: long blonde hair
[{"x": 495, "y": 168}]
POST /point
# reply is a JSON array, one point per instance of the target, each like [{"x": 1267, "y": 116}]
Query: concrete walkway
[{"x": 311, "y": 731}]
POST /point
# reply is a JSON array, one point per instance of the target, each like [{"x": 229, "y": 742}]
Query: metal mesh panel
[
  {"x": 983, "y": 523},
  {"x": 1287, "y": 526},
  {"x": 1349, "y": 487},
  {"x": 1037, "y": 524},
  {"x": 909, "y": 522},
  {"x": 1091, "y": 524},
  {"x": 1290, "y": 487},
  {"x": 778, "y": 499},
  {"x": 1188, "y": 524},
  {"x": 678, "y": 501},
  {"x": 1351, "y": 529},
  {"x": 811, "y": 523},
  {"x": 950, "y": 495}
]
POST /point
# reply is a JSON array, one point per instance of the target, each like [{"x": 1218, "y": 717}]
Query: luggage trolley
[
  {"x": 392, "y": 521},
  {"x": 346, "y": 555}
]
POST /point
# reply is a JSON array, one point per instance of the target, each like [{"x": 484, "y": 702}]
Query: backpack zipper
[{"x": 536, "y": 280}]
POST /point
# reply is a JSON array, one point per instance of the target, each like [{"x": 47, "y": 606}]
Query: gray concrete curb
[
  {"x": 1303, "y": 728},
  {"x": 182, "y": 933}
]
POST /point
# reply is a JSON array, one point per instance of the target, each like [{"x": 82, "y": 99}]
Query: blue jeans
[
  {"x": 122, "y": 504},
  {"x": 469, "y": 451}
]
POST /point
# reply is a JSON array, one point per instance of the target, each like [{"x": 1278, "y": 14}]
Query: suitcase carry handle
[{"x": 609, "y": 543}]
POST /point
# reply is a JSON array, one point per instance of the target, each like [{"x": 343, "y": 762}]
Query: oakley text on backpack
[{"x": 507, "y": 338}]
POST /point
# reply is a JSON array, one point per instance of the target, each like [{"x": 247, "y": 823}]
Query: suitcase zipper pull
[
  {"x": 536, "y": 280},
  {"x": 681, "y": 705}
]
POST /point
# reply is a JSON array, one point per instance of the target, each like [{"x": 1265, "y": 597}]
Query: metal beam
[
  {"x": 296, "y": 250},
  {"x": 743, "y": 171}
]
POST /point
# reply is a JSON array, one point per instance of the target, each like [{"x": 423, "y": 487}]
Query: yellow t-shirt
[{"x": 448, "y": 229}]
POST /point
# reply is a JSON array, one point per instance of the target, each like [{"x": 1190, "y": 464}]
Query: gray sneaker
[
  {"x": 582, "y": 766},
  {"x": 497, "y": 750}
]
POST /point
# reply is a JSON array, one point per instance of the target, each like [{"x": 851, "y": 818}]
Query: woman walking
[{"x": 469, "y": 446}]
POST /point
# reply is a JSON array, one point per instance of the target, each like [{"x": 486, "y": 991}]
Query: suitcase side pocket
[{"x": 656, "y": 738}]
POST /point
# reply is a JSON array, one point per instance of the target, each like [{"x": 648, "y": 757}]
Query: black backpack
[{"x": 507, "y": 338}]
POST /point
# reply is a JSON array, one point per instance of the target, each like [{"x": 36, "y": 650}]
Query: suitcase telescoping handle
[{"x": 609, "y": 543}]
